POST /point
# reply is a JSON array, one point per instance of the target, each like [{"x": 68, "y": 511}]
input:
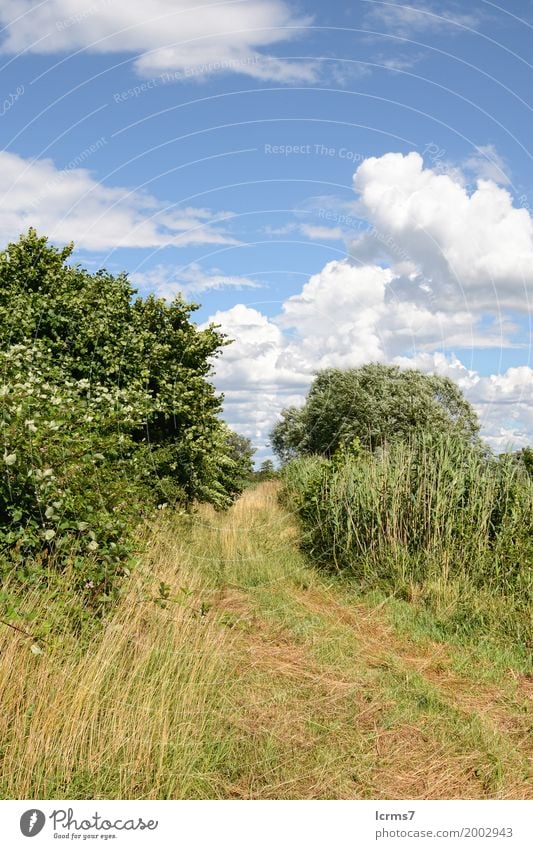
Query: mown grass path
[{"x": 258, "y": 677}]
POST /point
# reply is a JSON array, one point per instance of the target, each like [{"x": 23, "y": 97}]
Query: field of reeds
[{"x": 438, "y": 523}]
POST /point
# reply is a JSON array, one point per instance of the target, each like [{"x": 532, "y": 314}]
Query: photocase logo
[{"x": 32, "y": 822}]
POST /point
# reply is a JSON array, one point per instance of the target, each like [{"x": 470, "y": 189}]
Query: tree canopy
[{"x": 376, "y": 404}]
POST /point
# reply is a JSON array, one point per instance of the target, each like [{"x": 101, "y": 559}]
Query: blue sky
[{"x": 335, "y": 183}]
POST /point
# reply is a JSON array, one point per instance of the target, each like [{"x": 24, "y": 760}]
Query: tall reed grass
[{"x": 437, "y": 521}]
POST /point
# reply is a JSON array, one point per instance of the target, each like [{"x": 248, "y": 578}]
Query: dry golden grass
[
  {"x": 259, "y": 678},
  {"x": 128, "y": 717}
]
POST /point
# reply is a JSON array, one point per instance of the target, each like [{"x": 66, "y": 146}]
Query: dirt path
[{"x": 330, "y": 700}]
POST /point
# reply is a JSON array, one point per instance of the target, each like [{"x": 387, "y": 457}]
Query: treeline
[
  {"x": 107, "y": 412},
  {"x": 393, "y": 486}
]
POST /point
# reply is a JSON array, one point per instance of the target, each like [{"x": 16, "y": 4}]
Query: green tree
[
  {"x": 267, "y": 470},
  {"x": 375, "y": 404},
  {"x": 95, "y": 327},
  {"x": 289, "y": 437},
  {"x": 236, "y": 465}
]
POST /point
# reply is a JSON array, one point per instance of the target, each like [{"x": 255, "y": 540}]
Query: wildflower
[
  {"x": 49, "y": 534},
  {"x": 10, "y": 459},
  {"x": 93, "y": 545}
]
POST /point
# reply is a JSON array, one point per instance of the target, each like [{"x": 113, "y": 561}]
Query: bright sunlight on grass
[{"x": 232, "y": 669}]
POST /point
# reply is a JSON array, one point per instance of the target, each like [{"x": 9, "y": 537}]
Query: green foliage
[
  {"x": 290, "y": 438},
  {"x": 523, "y": 457},
  {"x": 233, "y": 467},
  {"x": 526, "y": 458},
  {"x": 377, "y": 404},
  {"x": 435, "y": 519},
  {"x": 266, "y": 472},
  {"x": 106, "y": 410},
  {"x": 69, "y": 479}
]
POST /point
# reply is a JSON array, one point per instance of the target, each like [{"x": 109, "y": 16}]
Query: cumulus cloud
[
  {"x": 257, "y": 375},
  {"x": 259, "y": 356},
  {"x": 503, "y": 402},
  {"x": 337, "y": 315},
  {"x": 180, "y": 36},
  {"x": 343, "y": 317},
  {"x": 70, "y": 205},
  {"x": 472, "y": 249},
  {"x": 438, "y": 268}
]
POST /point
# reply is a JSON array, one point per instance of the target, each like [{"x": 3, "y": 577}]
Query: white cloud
[
  {"x": 255, "y": 374},
  {"x": 70, "y": 205},
  {"x": 400, "y": 62},
  {"x": 474, "y": 250},
  {"x": 321, "y": 233},
  {"x": 438, "y": 363},
  {"x": 166, "y": 281},
  {"x": 345, "y": 316},
  {"x": 503, "y": 402},
  {"x": 337, "y": 315},
  {"x": 408, "y": 21},
  {"x": 487, "y": 164},
  {"x": 452, "y": 262},
  {"x": 193, "y": 39},
  {"x": 316, "y": 232},
  {"x": 260, "y": 355}
]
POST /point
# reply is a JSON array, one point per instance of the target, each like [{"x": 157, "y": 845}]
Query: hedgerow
[{"x": 106, "y": 410}]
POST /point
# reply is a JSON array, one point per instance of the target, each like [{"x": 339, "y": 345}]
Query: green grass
[
  {"x": 231, "y": 668},
  {"x": 436, "y": 524}
]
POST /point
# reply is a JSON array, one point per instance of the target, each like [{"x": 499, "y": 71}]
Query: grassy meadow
[{"x": 231, "y": 668}]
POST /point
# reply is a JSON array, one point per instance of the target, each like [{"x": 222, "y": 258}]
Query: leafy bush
[
  {"x": 71, "y": 480},
  {"x": 106, "y": 410}
]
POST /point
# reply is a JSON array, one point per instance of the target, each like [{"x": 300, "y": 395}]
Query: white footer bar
[{"x": 267, "y": 824}]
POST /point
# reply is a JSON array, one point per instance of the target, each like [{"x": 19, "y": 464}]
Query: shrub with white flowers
[{"x": 106, "y": 410}]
